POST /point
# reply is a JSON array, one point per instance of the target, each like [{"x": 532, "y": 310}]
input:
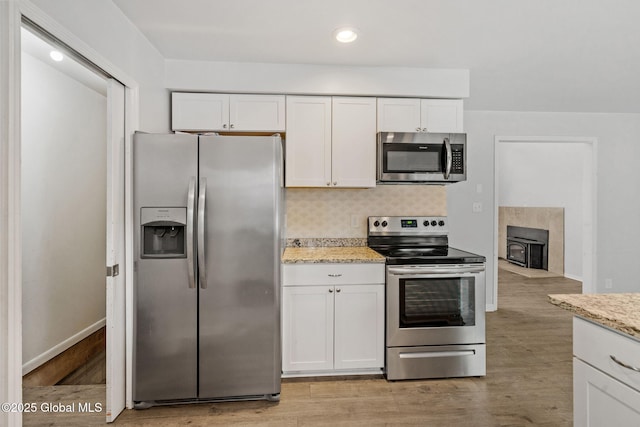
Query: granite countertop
[
  {"x": 334, "y": 254},
  {"x": 617, "y": 311}
]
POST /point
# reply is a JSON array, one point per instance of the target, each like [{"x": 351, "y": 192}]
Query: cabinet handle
[
  {"x": 624, "y": 365},
  {"x": 224, "y": 126},
  {"x": 330, "y": 291},
  {"x": 338, "y": 290},
  {"x": 335, "y": 275},
  {"x": 335, "y": 183},
  {"x": 328, "y": 184},
  {"x": 418, "y": 129},
  {"x": 424, "y": 129},
  {"x": 232, "y": 126}
]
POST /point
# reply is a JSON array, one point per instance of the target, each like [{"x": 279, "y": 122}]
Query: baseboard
[{"x": 48, "y": 357}]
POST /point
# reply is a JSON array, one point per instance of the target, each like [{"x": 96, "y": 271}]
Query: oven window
[{"x": 437, "y": 302}]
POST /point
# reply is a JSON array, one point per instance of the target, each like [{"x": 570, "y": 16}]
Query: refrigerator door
[
  {"x": 165, "y": 324},
  {"x": 239, "y": 305}
]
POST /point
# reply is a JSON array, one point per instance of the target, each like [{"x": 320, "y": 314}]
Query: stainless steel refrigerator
[{"x": 208, "y": 225}]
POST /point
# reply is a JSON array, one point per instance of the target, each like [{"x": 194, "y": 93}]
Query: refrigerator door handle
[
  {"x": 191, "y": 200},
  {"x": 202, "y": 269}
]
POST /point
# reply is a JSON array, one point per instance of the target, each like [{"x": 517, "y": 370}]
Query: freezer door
[
  {"x": 239, "y": 303},
  {"x": 165, "y": 324}
]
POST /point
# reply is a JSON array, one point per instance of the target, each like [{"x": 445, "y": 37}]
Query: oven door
[{"x": 435, "y": 305}]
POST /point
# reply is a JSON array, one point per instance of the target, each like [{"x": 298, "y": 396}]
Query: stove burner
[{"x": 419, "y": 243}]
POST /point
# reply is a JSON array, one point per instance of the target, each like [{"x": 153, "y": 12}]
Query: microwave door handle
[
  {"x": 447, "y": 147},
  {"x": 191, "y": 200},
  {"x": 202, "y": 268}
]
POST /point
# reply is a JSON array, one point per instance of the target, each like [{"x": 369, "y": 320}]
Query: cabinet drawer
[
  {"x": 332, "y": 274},
  {"x": 596, "y": 344}
]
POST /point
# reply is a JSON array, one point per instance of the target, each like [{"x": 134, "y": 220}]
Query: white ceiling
[{"x": 537, "y": 55}]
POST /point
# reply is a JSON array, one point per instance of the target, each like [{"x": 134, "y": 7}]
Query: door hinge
[{"x": 113, "y": 270}]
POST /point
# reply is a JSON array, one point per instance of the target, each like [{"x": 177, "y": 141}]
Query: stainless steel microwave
[{"x": 418, "y": 157}]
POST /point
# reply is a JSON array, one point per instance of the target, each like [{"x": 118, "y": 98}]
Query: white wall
[
  {"x": 316, "y": 79},
  {"x": 547, "y": 175},
  {"x": 105, "y": 29},
  {"x": 63, "y": 209},
  {"x": 618, "y": 195}
]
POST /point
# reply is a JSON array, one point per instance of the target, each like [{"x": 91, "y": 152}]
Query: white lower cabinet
[
  {"x": 307, "y": 317},
  {"x": 605, "y": 393},
  {"x": 333, "y": 328}
]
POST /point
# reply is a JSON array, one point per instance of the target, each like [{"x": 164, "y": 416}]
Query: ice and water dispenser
[{"x": 163, "y": 232}]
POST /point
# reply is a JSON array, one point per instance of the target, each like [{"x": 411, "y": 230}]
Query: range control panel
[{"x": 408, "y": 225}]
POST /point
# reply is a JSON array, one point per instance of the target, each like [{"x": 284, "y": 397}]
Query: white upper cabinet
[
  {"x": 399, "y": 115},
  {"x": 207, "y": 112},
  {"x": 331, "y": 141},
  {"x": 353, "y": 146},
  {"x": 199, "y": 111},
  {"x": 257, "y": 112},
  {"x": 441, "y": 115},
  {"x": 308, "y": 141},
  {"x": 420, "y": 115}
]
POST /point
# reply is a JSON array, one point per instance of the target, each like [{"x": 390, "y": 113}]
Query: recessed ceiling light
[
  {"x": 56, "y": 55},
  {"x": 345, "y": 35}
]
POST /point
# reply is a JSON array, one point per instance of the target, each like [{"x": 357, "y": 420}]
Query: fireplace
[{"x": 528, "y": 247}]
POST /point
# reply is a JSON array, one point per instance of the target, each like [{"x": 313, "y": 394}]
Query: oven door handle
[{"x": 422, "y": 270}]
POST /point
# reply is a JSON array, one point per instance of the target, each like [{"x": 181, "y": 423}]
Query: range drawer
[
  {"x": 596, "y": 345},
  {"x": 332, "y": 274}
]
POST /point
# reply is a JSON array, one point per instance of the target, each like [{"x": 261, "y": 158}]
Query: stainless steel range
[{"x": 435, "y": 300}]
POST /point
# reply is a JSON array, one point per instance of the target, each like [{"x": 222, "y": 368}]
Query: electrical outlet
[
  {"x": 477, "y": 207},
  {"x": 608, "y": 283}
]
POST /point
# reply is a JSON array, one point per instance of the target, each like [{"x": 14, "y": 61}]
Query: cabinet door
[
  {"x": 353, "y": 146},
  {"x": 257, "y": 113},
  {"x": 398, "y": 115},
  {"x": 359, "y": 326},
  {"x": 600, "y": 401},
  {"x": 308, "y": 141},
  {"x": 441, "y": 115},
  {"x": 307, "y": 336},
  {"x": 199, "y": 111}
]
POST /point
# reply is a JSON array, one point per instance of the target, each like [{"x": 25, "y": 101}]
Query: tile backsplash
[{"x": 332, "y": 212}]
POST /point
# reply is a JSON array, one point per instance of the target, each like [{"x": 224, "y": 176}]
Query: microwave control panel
[{"x": 457, "y": 164}]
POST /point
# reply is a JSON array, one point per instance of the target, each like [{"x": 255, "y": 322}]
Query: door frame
[
  {"x": 10, "y": 244},
  {"x": 11, "y": 15},
  {"x": 589, "y": 204}
]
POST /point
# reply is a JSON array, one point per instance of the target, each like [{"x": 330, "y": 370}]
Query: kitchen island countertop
[
  {"x": 617, "y": 311},
  {"x": 334, "y": 254}
]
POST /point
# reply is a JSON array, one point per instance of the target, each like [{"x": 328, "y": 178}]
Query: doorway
[
  {"x": 73, "y": 134},
  {"x": 548, "y": 177}
]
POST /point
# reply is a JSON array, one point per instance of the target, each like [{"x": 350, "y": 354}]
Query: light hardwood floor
[{"x": 528, "y": 383}]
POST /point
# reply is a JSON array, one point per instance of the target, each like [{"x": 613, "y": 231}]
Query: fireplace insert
[
  {"x": 524, "y": 252},
  {"x": 527, "y": 247}
]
